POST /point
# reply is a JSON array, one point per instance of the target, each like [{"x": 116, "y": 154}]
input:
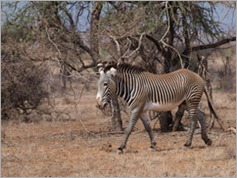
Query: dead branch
[
  {"x": 213, "y": 45},
  {"x": 138, "y": 47},
  {"x": 129, "y": 43},
  {"x": 167, "y": 30},
  {"x": 46, "y": 30},
  {"x": 117, "y": 44}
]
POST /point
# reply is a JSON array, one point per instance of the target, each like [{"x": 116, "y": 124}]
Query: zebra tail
[{"x": 213, "y": 109}]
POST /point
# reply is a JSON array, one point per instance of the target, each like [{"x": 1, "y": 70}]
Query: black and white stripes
[
  {"x": 133, "y": 83},
  {"x": 145, "y": 91}
]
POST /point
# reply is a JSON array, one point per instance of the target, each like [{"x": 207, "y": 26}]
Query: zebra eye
[{"x": 105, "y": 84}]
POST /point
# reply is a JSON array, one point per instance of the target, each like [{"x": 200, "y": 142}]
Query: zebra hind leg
[
  {"x": 149, "y": 130},
  {"x": 202, "y": 120}
]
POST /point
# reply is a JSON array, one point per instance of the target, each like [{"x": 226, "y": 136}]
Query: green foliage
[{"x": 18, "y": 21}]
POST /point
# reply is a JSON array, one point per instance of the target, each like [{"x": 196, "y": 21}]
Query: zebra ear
[
  {"x": 101, "y": 71},
  {"x": 100, "y": 67},
  {"x": 113, "y": 71}
]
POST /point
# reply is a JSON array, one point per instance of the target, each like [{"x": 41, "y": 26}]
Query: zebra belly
[{"x": 150, "y": 106}]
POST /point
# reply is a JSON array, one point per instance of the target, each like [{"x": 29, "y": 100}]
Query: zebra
[{"x": 144, "y": 91}]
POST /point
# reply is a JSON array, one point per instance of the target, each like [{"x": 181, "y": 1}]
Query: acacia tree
[{"x": 173, "y": 30}]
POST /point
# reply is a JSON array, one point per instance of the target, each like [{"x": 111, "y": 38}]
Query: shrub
[{"x": 23, "y": 85}]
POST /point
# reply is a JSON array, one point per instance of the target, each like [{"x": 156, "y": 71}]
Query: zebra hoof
[
  {"x": 120, "y": 151},
  {"x": 187, "y": 144},
  {"x": 153, "y": 146},
  {"x": 208, "y": 142}
]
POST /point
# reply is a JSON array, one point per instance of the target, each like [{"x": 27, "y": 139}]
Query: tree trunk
[
  {"x": 166, "y": 121},
  {"x": 94, "y": 30}
]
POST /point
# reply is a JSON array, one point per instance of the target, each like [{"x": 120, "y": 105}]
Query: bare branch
[
  {"x": 158, "y": 46},
  {"x": 138, "y": 47},
  {"x": 125, "y": 56},
  {"x": 168, "y": 28},
  {"x": 213, "y": 45},
  {"x": 52, "y": 42},
  {"x": 129, "y": 46},
  {"x": 117, "y": 44}
]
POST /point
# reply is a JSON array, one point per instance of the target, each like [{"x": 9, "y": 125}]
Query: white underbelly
[{"x": 150, "y": 106}]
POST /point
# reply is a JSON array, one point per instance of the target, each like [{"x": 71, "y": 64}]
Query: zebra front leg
[
  {"x": 193, "y": 122},
  {"x": 135, "y": 114},
  {"x": 149, "y": 130},
  {"x": 201, "y": 118}
]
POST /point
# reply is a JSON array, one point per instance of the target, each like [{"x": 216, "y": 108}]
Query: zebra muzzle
[{"x": 101, "y": 106}]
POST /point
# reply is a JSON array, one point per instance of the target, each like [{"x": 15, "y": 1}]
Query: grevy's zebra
[{"x": 144, "y": 91}]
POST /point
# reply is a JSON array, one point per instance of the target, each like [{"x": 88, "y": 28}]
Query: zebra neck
[{"x": 126, "y": 89}]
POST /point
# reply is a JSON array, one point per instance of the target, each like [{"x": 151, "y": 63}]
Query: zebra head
[{"x": 106, "y": 86}]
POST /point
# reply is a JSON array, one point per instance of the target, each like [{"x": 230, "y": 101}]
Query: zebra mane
[
  {"x": 125, "y": 67},
  {"x": 128, "y": 68}
]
